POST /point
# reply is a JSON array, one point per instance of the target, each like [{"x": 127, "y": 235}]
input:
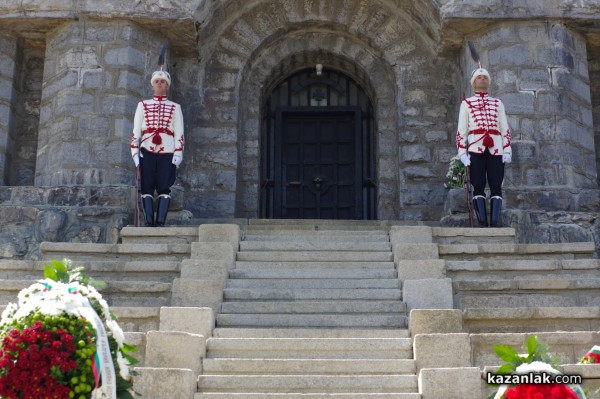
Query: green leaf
[
  {"x": 532, "y": 345},
  {"x": 59, "y": 266},
  {"x": 506, "y": 369},
  {"x": 50, "y": 273},
  {"x": 506, "y": 353},
  {"x": 128, "y": 348}
]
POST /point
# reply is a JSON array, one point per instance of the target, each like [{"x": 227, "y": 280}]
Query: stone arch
[
  {"x": 277, "y": 62},
  {"x": 243, "y": 41}
]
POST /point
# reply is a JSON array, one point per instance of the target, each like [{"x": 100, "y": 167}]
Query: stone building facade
[{"x": 394, "y": 72}]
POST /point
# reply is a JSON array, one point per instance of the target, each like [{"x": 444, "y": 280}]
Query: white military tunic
[
  {"x": 482, "y": 124},
  {"x": 158, "y": 127}
]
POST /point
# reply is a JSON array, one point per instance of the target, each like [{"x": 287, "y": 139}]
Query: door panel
[{"x": 318, "y": 165}]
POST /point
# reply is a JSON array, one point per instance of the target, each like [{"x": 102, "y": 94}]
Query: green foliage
[
  {"x": 536, "y": 352},
  {"x": 63, "y": 272},
  {"x": 457, "y": 172}
]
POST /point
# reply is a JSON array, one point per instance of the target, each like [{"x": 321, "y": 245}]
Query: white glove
[
  {"x": 464, "y": 158},
  {"x": 177, "y": 160},
  {"x": 136, "y": 160},
  {"x": 506, "y": 157}
]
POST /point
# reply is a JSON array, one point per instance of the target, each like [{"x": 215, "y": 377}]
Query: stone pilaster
[
  {"x": 94, "y": 75},
  {"x": 8, "y": 54},
  {"x": 540, "y": 71}
]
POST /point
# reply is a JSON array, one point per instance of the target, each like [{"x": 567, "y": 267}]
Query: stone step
[
  {"x": 220, "y": 332},
  {"x": 265, "y": 272},
  {"x": 309, "y": 348},
  {"x": 301, "y": 307},
  {"x": 517, "y": 251},
  {"x": 308, "y": 366},
  {"x": 117, "y": 293},
  {"x": 369, "y": 320},
  {"x": 313, "y": 283},
  {"x": 461, "y": 235},
  {"x": 531, "y": 319},
  {"x": 85, "y": 251},
  {"x": 306, "y": 294},
  {"x": 308, "y": 383},
  {"x": 315, "y": 245},
  {"x": 302, "y": 236},
  {"x": 162, "y": 235},
  {"x": 314, "y": 256},
  {"x": 549, "y": 292},
  {"x": 319, "y": 222},
  {"x": 105, "y": 270},
  {"x": 313, "y": 265},
  {"x": 500, "y": 269},
  {"x": 362, "y": 395}
]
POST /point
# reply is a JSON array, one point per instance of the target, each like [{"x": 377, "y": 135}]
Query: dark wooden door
[{"x": 318, "y": 165}]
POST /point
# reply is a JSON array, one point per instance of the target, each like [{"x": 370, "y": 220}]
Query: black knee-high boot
[
  {"x": 148, "y": 207},
  {"x": 495, "y": 211},
  {"x": 163, "y": 208},
  {"x": 480, "y": 210}
]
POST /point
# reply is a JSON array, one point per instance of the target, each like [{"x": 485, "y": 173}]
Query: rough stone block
[
  {"x": 519, "y": 103},
  {"x": 516, "y": 54},
  {"x": 420, "y": 269},
  {"x": 175, "y": 349},
  {"x": 219, "y": 233},
  {"x": 435, "y": 321},
  {"x": 411, "y": 234},
  {"x": 450, "y": 383},
  {"x": 199, "y": 293},
  {"x": 223, "y": 251},
  {"x": 416, "y": 153},
  {"x": 442, "y": 350},
  {"x": 187, "y": 319},
  {"x": 216, "y": 270},
  {"x": 428, "y": 294},
  {"x": 415, "y": 251},
  {"x": 161, "y": 383}
]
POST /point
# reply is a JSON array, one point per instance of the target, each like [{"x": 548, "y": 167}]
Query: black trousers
[
  {"x": 157, "y": 172},
  {"x": 487, "y": 168}
]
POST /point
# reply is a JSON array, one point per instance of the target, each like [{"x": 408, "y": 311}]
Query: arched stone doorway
[{"x": 317, "y": 149}]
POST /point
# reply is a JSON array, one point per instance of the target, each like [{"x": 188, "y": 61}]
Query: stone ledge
[
  {"x": 135, "y": 249},
  {"x": 517, "y": 249},
  {"x": 472, "y": 314},
  {"x": 473, "y": 232},
  {"x": 526, "y": 284},
  {"x": 484, "y": 265}
]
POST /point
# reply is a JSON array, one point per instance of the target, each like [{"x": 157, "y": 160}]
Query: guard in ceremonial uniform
[
  {"x": 157, "y": 147},
  {"x": 484, "y": 143}
]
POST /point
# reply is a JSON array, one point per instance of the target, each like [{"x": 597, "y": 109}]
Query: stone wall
[
  {"x": 8, "y": 56},
  {"x": 31, "y": 215},
  {"x": 409, "y": 56},
  {"x": 594, "y": 63},
  {"x": 22, "y": 155},
  {"x": 94, "y": 75},
  {"x": 540, "y": 72}
]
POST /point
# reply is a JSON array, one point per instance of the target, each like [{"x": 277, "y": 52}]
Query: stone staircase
[
  {"x": 291, "y": 278},
  {"x": 319, "y": 309},
  {"x": 310, "y": 312}
]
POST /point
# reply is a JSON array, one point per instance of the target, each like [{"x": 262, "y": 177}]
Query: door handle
[
  {"x": 317, "y": 180},
  {"x": 294, "y": 183}
]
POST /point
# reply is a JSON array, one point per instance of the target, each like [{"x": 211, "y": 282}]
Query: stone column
[
  {"x": 540, "y": 71},
  {"x": 8, "y": 55},
  {"x": 94, "y": 75}
]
